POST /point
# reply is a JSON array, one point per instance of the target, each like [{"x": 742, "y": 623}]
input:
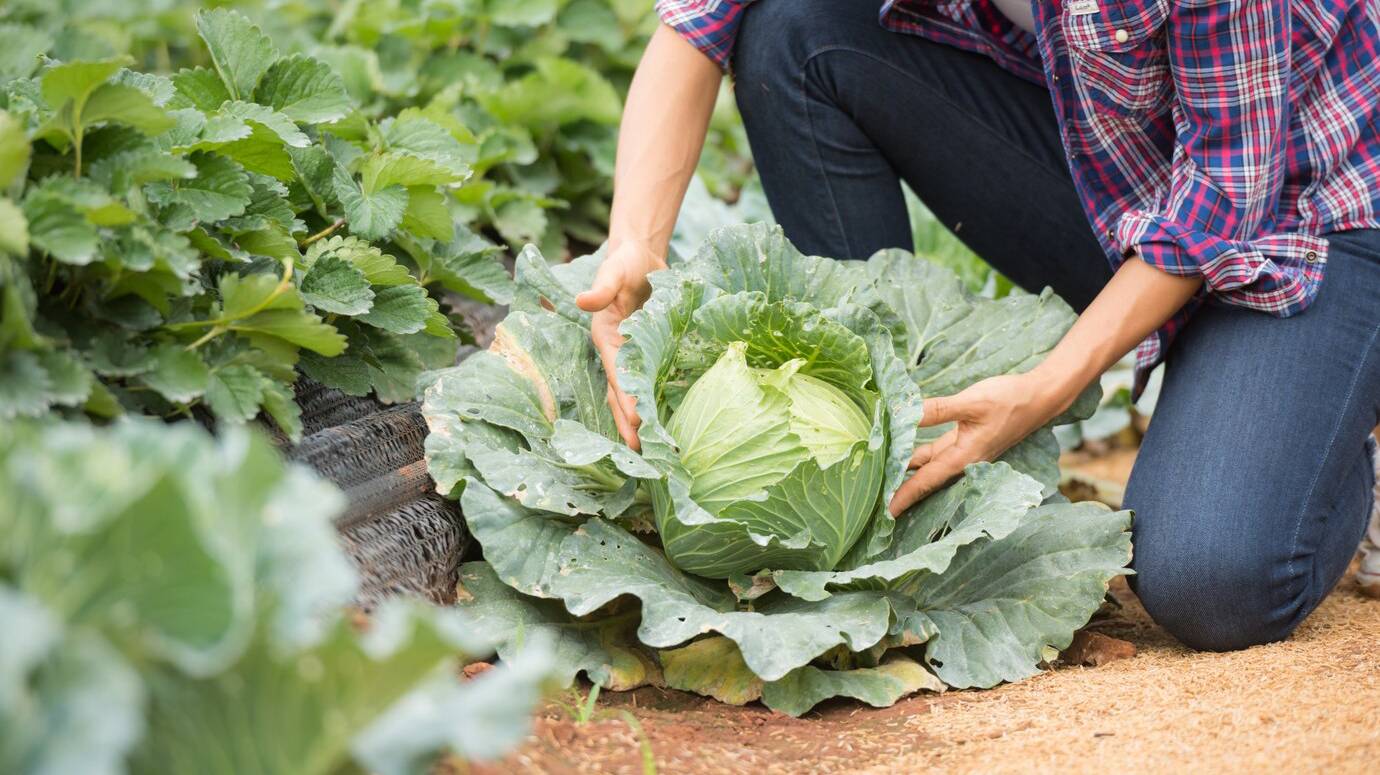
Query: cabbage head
[{"x": 746, "y": 552}]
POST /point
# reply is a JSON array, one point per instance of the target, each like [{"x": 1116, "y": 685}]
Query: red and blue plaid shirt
[{"x": 1214, "y": 138}]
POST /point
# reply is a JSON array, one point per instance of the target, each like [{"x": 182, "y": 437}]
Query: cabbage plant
[
  {"x": 746, "y": 552},
  {"x": 174, "y": 603}
]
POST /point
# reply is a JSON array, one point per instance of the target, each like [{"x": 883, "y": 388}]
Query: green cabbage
[
  {"x": 746, "y": 436},
  {"x": 746, "y": 552}
]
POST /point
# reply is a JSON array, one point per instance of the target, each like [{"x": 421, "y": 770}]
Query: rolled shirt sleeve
[
  {"x": 709, "y": 25},
  {"x": 1230, "y": 64}
]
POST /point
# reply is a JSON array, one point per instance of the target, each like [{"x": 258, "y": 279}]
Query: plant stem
[
  {"x": 324, "y": 233},
  {"x": 215, "y": 331},
  {"x": 587, "y": 711}
]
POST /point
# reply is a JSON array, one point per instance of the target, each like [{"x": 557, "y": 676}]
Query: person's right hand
[{"x": 620, "y": 288}]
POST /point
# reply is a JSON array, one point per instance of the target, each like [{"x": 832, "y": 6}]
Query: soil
[{"x": 1311, "y": 703}]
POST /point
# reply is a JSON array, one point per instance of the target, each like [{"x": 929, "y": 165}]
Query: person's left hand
[{"x": 991, "y": 416}]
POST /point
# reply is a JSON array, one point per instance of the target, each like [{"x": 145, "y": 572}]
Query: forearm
[
  {"x": 660, "y": 139},
  {"x": 1136, "y": 302}
]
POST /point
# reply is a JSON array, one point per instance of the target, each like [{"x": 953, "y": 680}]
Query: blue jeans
[{"x": 1253, "y": 484}]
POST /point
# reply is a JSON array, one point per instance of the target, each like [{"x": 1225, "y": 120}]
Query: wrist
[
  {"x": 1054, "y": 388},
  {"x": 644, "y": 254}
]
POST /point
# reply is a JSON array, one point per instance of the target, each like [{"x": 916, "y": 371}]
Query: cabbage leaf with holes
[{"x": 745, "y": 552}]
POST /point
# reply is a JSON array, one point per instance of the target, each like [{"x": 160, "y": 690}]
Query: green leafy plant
[
  {"x": 746, "y": 552},
  {"x": 185, "y": 241},
  {"x": 175, "y": 603},
  {"x": 534, "y": 88}
]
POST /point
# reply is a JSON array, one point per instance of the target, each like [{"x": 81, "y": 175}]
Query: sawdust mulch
[{"x": 1311, "y": 703}]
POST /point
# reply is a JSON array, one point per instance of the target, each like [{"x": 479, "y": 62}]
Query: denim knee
[
  {"x": 1211, "y": 563},
  {"x": 1225, "y": 604}
]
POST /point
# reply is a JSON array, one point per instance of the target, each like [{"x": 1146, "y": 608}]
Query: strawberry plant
[{"x": 189, "y": 241}]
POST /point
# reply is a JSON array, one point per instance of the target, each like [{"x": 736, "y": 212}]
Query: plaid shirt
[{"x": 1214, "y": 138}]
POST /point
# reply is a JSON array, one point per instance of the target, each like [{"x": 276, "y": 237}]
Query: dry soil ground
[{"x": 1309, "y": 704}]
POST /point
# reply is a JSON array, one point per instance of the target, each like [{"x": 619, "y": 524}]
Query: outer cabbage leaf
[{"x": 1004, "y": 605}]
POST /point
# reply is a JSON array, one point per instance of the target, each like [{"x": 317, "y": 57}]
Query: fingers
[
  {"x": 922, "y": 455},
  {"x": 607, "y": 283},
  {"x": 607, "y": 341},
  {"x": 624, "y": 418},
  {"x": 943, "y": 469},
  {"x": 938, "y": 411}
]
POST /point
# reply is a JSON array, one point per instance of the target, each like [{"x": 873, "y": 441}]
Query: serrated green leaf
[
  {"x": 58, "y": 229},
  {"x": 471, "y": 266},
  {"x": 69, "y": 380},
  {"x": 297, "y": 326},
  {"x": 121, "y": 171},
  {"x": 370, "y": 215},
  {"x": 428, "y": 214},
  {"x": 401, "y": 309},
  {"x": 220, "y": 189},
  {"x": 347, "y": 373},
  {"x": 381, "y": 269},
  {"x": 235, "y": 393},
  {"x": 199, "y": 88},
  {"x": 240, "y": 51},
  {"x": 520, "y": 220},
  {"x": 159, "y": 88},
  {"x": 304, "y": 89},
  {"x": 260, "y": 151},
  {"x": 385, "y": 170},
  {"x": 125, "y": 105},
  {"x": 333, "y": 284},
  {"x": 281, "y": 405},
  {"x": 279, "y": 124},
  {"x": 244, "y": 295},
  {"x": 75, "y": 81},
  {"x": 24, "y": 385},
  {"x": 272, "y": 241},
  {"x": 118, "y": 354},
  {"x": 178, "y": 374}
]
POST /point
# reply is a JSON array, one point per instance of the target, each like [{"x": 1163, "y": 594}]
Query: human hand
[
  {"x": 620, "y": 288},
  {"x": 991, "y": 416}
]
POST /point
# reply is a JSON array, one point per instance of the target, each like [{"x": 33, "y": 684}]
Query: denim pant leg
[
  {"x": 1253, "y": 485},
  {"x": 838, "y": 110}
]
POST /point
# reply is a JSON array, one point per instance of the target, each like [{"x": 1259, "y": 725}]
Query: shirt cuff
[
  {"x": 1278, "y": 273},
  {"x": 709, "y": 25}
]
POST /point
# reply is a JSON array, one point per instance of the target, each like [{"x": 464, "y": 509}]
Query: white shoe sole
[{"x": 1368, "y": 576}]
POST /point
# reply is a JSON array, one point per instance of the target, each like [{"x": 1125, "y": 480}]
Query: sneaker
[{"x": 1369, "y": 574}]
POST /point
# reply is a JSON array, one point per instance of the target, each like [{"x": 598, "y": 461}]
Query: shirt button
[
  {"x": 1122, "y": 36},
  {"x": 1311, "y": 256},
  {"x": 1111, "y": 234}
]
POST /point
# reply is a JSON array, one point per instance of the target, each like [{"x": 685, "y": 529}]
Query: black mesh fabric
[
  {"x": 403, "y": 537},
  {"x": 414, "y": 549},
  {"x": 325, "y": 407}
]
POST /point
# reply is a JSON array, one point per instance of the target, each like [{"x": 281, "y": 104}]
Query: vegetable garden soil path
[{"x": 1309, "y": 704}]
